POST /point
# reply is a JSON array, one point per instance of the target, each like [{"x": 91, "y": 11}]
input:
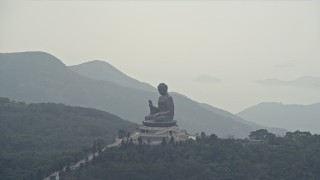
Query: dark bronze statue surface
[{"x": 165, "y": 110}]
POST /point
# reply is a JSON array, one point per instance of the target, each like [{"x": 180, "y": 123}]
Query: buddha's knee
[
  {"x": 148, "y": 117},
  {"x": 161, "y": 119}
]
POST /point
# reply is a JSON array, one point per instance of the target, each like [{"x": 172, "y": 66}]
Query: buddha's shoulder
[{"x": 168, "y": 97}]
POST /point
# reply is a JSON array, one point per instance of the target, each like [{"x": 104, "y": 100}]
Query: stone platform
[
  {"x": 159, "y": 124},
  {"x": 154, "y": 133}
]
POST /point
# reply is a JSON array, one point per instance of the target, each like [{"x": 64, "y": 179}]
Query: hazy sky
[{"x": 232, "y": 43}]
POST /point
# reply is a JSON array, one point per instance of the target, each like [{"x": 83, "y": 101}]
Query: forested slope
[
  {"x": 267, "y": 157},
  {"x": 37, "y": 139}
]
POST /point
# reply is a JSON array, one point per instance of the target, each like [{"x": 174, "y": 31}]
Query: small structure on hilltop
[{"x": 159, "y": 126}]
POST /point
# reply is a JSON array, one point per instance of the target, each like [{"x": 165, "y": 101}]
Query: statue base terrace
[
  {"x": 159, "y": 124},
  {"x": 154, "y": 133}
]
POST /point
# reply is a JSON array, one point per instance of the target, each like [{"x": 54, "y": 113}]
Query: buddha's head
[{"x": 163, "y": 89}]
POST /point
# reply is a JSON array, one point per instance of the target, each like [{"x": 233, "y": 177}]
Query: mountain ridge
[
  {"x": 293, "y": 116},
  {"x": 71, "y": 88},
  {"x": 101, "y": 70}
]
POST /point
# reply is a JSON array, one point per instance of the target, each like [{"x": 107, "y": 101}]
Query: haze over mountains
[
  {"x": 207, "y": 79},
  {"x": 306, "y": 81},
  {"x": 291, "y": 117},
  {"x": 40, "y": 77}
]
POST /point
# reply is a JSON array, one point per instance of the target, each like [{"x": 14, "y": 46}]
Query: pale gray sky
[{"x": 237, "y": 42}]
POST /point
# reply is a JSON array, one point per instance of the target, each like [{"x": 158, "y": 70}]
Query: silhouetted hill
[
  {"x": 254, "y": 126},
  {"x": 291, "y": 117},
  {"x": 40, "y": 77},
  {"x": 37, "y": 139},
  {"x": 101, "y": 70}
]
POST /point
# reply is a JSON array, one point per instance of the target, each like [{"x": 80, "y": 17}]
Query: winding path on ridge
[{"x": 89, "y": 158}]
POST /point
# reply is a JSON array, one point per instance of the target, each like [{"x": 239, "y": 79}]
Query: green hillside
[{"x": 36, "y": 139}]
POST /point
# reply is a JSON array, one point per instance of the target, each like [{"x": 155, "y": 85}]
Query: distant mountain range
[
  {"x": 40, "y": 77},
  {"x": 291, "y": 117}
]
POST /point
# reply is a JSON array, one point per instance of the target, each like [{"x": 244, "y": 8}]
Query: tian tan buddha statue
[{"x": 165, "y": 110}]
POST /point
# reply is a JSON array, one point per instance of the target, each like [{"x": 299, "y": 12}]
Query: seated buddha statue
[{"x": 165, "y": 110}]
